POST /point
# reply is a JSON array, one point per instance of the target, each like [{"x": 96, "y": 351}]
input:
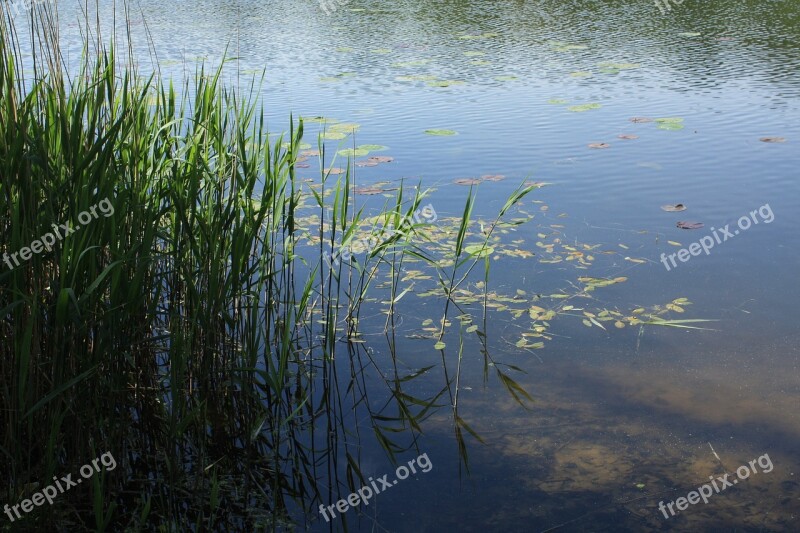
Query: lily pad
[
  {"x": 599, "y": 145},
  {"x": 474, "y": 54},
  {"x": 640, "y": 120},
  {"x": 439, "y": 346},
  {"x": 674, "y": 208},
  {"x": 478, "y": 250},
  {"x": 467, "y": 181},
  {"x": 415, "y": 77},
  {"x": 580, "y": 74},
  {"x": 670, "y": 123},
  {"x": 627, "y": 137},
  {"x": 350, "y": 152},
  {"x": 373, "y": 147},
  {"x": 773, "y": 139},
  {"x": 557, "y": 101},
  {"x": 441, "y": 132},
  {"x": 690, "y": 225},
  {"x": 493, "y": 177},
  {"x": 415, "y": 63},
  {"x": 381, "y": 159},
  {"x": 334, "y": 135},
  {"x": 583, "y": 107},
  {"x": 505, "y": 78},
  {"x": 368, "y": 191},
  {"x": 444, "y": 83}
]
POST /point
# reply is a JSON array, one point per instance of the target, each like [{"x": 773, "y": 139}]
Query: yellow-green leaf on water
[
  {"x": 441, "y": 132},
  {"x": 584, "y": 107},
  {"x": 439, "y": 345},
  {"x": 619, "y": 324},
  {"x": 427, "y": 322},
  {"x": 472, "y": 329}
]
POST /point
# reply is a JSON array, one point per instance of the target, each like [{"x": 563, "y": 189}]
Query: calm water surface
[{"x": 622, "y": 418}]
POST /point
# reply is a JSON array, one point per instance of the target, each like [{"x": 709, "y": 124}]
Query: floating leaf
[
  {"x": 381, "y": 51},
  {"x": 670, "y": 126},
  {"x": 372, "y": 147},
  {"x": 599, "y": 145},
  {"x": 368, "y": 191},
  {"x": 480, "y": 63},
  {"x": 674, "y": 243},
  {"x": 350, "y": 152},
  {"x": 479, "y": 250},
  {"x": 505, "y": 78},
  {"x": 620, "y": 66},
  {"x": 640, "y": 120},
  {"x": 474, "y": 54},
  {"x": 627, "y": 137},
  {"x": 583, "y": 107},
  {"x": 334, "y": 135},
  {"x": 674, "y": 208},
  {"x": 415, "y": 63},
  {"x": 439, "y": 345},
  {"x": 493, "y": 177},
  {"x": 772, "y": 139},
  {"x": 557, "y": 101},
  {"x": 467, "y": 181},
  {"x": 441, "y": 132},
  {"x": 580, "y": 74},
  {"x": 344, "y": 49},
  {"x": 690, "y": 225},
  {"x": 444, "y": 83},
  {"x": 416, "y": 77},
  {"x": 472, "y": 329}
]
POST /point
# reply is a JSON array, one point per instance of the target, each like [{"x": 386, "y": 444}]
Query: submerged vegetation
[{"x": 198, "y": 333}]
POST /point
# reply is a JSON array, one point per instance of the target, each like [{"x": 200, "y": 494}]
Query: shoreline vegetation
[{"x": 184, "y": 333}]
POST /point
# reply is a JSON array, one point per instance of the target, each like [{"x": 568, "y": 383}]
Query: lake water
[{"x": 622, "y": 418}]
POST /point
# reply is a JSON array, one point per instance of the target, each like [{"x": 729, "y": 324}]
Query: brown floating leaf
[
  {"x": 641, "y": 120},
  {"x": 493, "y": 177},
  {"x": 310, "y": 153},
  {"x": 381, "y": 159},
  {"x": 302, "y": 165},
  {"x": 335, "y": 170},
  {"x": 599, "y": 145},
  {"x": 773, "y": 139},
  {"x": 368, "y": 191},
  {"x": 674, "y": 208},
  {"x": 690, "y": 225},
  {"x": 627, "y": 136},
  {"x": 466, "y": 181},
  {"x": 367, "y": 163}
]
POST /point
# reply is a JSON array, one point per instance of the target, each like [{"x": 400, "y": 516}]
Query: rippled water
[{"x": 621, "y": 420}]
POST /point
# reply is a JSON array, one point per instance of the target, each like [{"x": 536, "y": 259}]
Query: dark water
[{"x": 622, "y": 419}]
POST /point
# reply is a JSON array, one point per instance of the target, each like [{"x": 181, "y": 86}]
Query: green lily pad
[
  {"x": 416, "y": 77},
  {"x": 415, "y": 63},
  {"x": 441, "y": 132},
  {"x": 505, "y": 78},
  {"x": 479, "y": 250},
  {"x": 372, "y": 147},
  {"x": 344, "y": 49},
  {"x": 334, "y": 135},
  {"x": 670, "y": 123},
  {"x": 474, "y": 54},
  {"x": 381, "y": 51},
  {"x": 557, "y": 101},
  {"x": 350, "y": 152},
  {"x": 580, "y": 74},
  {"x": 444, "y": 83},
  {"x": 439, "y": 346},
  {"x": 584, "y": 107}
]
